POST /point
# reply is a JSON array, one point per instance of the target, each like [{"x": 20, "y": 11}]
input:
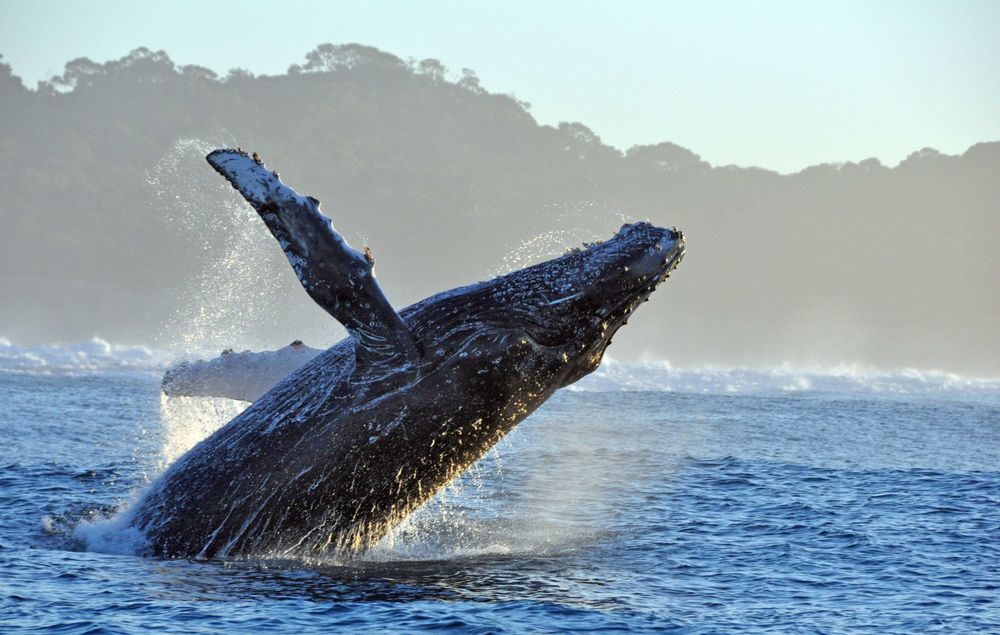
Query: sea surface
[{"x": 646, "y": 499}]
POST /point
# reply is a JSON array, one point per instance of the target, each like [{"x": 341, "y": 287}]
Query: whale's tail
[{"x": 336, "y": 276}]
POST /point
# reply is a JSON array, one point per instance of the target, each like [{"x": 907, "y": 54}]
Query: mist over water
[{"x": 115, "y": 227}]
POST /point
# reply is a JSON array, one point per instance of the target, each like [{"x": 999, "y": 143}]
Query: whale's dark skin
[{"x": 341, "y": 450}]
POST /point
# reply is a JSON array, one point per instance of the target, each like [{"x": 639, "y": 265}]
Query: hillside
[{"x": 114, "y": 225}]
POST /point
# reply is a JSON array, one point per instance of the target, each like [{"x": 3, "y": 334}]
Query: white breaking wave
[
  {"x": 91, "y": 356},
  {"x": 661, "y": 376},
  {"x": 96, "y": 356}
]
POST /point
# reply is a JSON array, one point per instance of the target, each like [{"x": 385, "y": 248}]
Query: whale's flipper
[
  {"x": 336, "y": 276},
  {"x": 245, "y": 376}
]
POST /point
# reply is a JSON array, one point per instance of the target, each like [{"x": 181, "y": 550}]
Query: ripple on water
[{"x": 631, "y": 512}]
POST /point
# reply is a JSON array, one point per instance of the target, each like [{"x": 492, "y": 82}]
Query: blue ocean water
[{"x": 651, "y": 500}]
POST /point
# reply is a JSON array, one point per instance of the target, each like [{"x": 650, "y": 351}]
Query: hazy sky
[{"x": 776, "y": 84}]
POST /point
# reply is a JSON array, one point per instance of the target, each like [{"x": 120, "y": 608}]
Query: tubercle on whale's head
[{"x": 574, "y": 304}]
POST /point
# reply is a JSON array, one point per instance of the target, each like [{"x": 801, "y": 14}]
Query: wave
[
  {"x": 97, "y": 356},
  {"x": 661, "y": 376},
  {"x": 88, "y": 357}
]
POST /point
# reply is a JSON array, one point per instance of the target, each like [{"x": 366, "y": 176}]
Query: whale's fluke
[{"x": 336, "y": 276}]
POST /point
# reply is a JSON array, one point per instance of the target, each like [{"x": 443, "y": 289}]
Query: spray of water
[
  {"x": 574, "y": 223},
  {"x": 229, "y": 302},
  {"x": 235, "y": 295},
  {"x": 188, "y": 420}
]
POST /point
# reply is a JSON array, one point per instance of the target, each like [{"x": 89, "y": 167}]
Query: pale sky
[{"x": 776, "y": 84}]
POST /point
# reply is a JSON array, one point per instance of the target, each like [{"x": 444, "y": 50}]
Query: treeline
[{"x": 113, "y": 225}]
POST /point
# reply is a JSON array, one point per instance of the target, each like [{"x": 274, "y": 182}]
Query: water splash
[
  {"x": 185, "y": 422},
  {"x": 231, "y": 301},
  {"x": 235, "y": 295},
  {"x": 110, "y": 534},
  {"x": 848, "y": 379},
  {"x": 188, "y": 420},
  {"x": 540, "y": 247},
  {"x": 576, "y": 223}
]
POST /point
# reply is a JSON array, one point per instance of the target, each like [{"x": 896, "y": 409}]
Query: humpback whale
[{"x": 342, "y": 449}]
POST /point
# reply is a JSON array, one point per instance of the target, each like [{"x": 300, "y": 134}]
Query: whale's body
[{"x": 345, "y": 447}]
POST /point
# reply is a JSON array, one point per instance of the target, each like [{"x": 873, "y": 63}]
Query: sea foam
[
  {"x": 661, "y": 376},
  {"x": 95, "y": 355}
]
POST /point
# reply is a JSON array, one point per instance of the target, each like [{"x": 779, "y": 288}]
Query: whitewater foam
[
  {"x": 111, "y": 534},
  {"x": 661, "y": 376},
  {"x": 95, "y": 355}
]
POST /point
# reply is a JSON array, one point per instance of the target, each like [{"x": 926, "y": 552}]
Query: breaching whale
[{"x": 342, "y": 449}]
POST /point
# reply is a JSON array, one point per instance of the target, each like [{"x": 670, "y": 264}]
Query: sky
[{"x": 776, "y": 84}]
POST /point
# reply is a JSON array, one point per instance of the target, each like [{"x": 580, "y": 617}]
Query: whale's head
[
  {"x": 559, "y": 315},
  {"x": 574, "y": 304}
]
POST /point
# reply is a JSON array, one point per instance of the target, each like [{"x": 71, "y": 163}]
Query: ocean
[{"x": 644, "y": 498}]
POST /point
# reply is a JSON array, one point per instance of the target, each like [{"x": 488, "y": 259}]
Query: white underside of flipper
[{"x": 244, "y": 375}]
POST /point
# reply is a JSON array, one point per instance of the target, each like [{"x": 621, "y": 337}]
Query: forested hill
[{"x": 113, "y": 225}]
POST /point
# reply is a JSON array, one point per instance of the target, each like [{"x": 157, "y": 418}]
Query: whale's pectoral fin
[{"x": 336, "y": 276}]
